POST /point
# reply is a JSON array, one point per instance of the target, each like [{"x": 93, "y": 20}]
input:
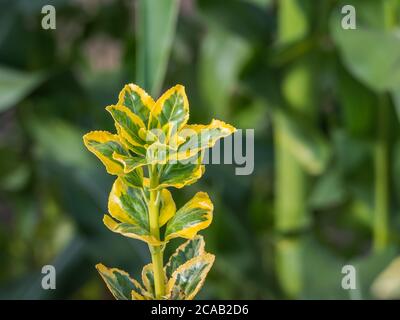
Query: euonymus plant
[{"x": 155, "y": 149}]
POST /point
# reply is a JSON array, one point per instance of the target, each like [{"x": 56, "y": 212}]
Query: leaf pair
[
  {"x": 185, "y": 273},
  {"x": 128, "y": 207}
]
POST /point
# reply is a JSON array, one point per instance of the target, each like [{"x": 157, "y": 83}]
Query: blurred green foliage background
[{"x": 324, "y": 103}]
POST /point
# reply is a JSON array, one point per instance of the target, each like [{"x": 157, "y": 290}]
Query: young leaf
[
  {"x": 128, "y": 205},
  {"x": 172, "y": 108},
  {"x": 188, "y": 279},
  {"x": 188, "y": 250},
  {"x": 195, "y": 215},
  {"x": 137, "y": 100},
  {"x": 128, "y": 125},
  {"x": 120, "y": 283},
  {"x": 104, "y": 144}
]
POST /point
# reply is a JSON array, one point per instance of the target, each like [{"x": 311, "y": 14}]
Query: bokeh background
[{"x": 322, "y": 100}]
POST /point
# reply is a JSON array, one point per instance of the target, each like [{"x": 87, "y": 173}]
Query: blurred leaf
[
  {"x": 254, "y": 25},
  {"x": 16, "y": 85},
  {"x": 369, "y": 12},
  {"x": 351, "y": 153},
  {"x": 223, "y": 55},
  {"x": 70, "y": 273},
  {"x": 328, "y": 191},
  {"x": 377, "y": 67},
  {"x": 60, "y": 141},
  {"x": 73, "y": 170},
  {"x": 290, "y": 14},
  {"x": 322, "y": 273},
  {"x": 16, "y": 179},
  {"x": 368, "y": 268},
  {"x": 156, "y": 30},
  {"x": 252, "y": 114},
  {"x": 15, "y": 171},
  {"x": 358, "y": 103},
  {"x": 304, "y": 142},
  {"x": 387, "y": 284}
]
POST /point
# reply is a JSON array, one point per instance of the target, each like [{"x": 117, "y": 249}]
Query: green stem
[
  {"x": 156, "y": 251},
  {"x": 291, "y": 216},
  {"x": 381, "y": 156},
  {"x": 381, "y": 234}
]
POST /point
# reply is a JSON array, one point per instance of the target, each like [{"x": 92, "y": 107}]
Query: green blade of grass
[{"x": 156, "y": 27}]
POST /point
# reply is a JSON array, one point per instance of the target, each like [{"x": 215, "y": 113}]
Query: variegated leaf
[
  {"x": 129, "y": 230},
  {"x": 180, "y": 173},
  {"x": 188, "y": 250},
  {"x": 195, "y": 215},
  {"x": 199, "y": 137},
  {"x": 129, "y": 210},
  {"x": 104, "y": 144},
  {"x": 128, "y": 126},
  {"x": 167, "y": 207},
  {"x": 120, "y": 283},
  {"x": 188, "y": 278},
  {"x": 130, "y": 163},
  {"x": 148, "y": 279},
  {"x": 134, "y": 178},
  {"x": 137, "y": 100},
  {"x": 172, "y": 108},
  {"x": 157, "y": 153}
]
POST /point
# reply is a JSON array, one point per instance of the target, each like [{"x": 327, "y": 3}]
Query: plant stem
[
  {"x": 156, "y": 251},
  {"x": 291, "y": 216},
  {"x": 381, "y": 156},
  {"x": 381, "y": 233}
]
